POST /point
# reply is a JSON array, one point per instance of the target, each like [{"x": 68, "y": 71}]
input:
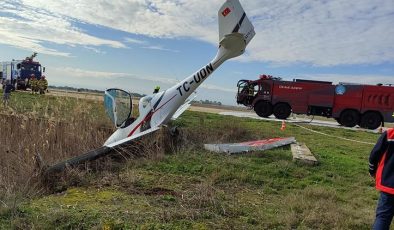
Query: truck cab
[
  {"x": 249, "y": 91},
  {"x": 246, "y": 92},
  {"x": 257, "y": 94},
  {"x": 26, "y": 69}
]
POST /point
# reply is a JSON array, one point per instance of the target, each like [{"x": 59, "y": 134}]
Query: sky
[{"x": 139, "y": 44}]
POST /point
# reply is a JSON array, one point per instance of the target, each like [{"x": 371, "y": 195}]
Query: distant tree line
[
  {"x": 207, "y": 102},
  {"x": 69, "y": 88}
]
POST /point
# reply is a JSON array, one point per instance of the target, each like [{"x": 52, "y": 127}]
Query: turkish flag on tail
[{"x": 226, "y": 12}]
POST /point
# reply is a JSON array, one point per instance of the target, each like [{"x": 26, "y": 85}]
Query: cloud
[
  {"x": 218, "y": 88},
  {"x": 81, "y": 73},
  {"x": 134, "y": 41},
  {"x": 156, "y": 18},
  {"x": 64, "y": 73},
  {"x": 146, "y": 45},
  {"x": 153, "y": 47},
  {"x": 319, "y": 33},
  {"x": 323, "y": 33},
  {"x": 104, "y": 75},
  {"x": 33, "y": 28},
  {"x": 98, "y": 51}
]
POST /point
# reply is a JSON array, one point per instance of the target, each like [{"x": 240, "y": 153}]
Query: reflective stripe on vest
[{"x": 390, "y": 134}]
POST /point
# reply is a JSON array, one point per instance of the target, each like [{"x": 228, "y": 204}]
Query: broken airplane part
[
  {"x": 235, "y": 33},
  {"x": 243, "y": 147}
]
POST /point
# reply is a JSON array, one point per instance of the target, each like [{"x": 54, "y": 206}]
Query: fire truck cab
[{"x": 19, "y": 72}]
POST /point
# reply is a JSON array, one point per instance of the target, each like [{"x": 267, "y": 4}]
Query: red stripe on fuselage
[{"x": 148, "y": 117}]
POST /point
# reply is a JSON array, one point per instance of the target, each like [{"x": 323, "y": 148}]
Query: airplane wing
[
  {"x": 183, "y": 107},
  {"x": 94, "y": 154},
  {"x": 133, "y": 137}
]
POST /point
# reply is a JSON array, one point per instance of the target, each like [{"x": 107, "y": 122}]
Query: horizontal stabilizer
[{"x": 183, "y": 107}]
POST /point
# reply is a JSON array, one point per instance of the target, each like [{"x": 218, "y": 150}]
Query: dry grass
[
  {"x": 23, "y": 137},
  {"x": 36, "y": 125},
  {"x": 44, "y": 133}
]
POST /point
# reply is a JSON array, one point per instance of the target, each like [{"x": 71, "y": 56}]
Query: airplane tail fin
[{"x": 235, "y": 29}]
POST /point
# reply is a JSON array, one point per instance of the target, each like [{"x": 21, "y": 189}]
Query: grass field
[{"x": 187, "y": 187}]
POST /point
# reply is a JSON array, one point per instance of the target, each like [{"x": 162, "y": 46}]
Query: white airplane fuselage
[{"x": 157, "y": 109}]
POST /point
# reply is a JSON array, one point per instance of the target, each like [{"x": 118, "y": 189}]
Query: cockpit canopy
[{"x": 118, "y": 106}]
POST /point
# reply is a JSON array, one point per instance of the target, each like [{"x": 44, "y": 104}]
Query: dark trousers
[{"x": 384, "y": 212}]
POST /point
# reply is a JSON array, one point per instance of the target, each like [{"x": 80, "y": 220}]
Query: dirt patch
[
  {"x": 155, "y": 191},
  {"x": 159, "y": 192}
]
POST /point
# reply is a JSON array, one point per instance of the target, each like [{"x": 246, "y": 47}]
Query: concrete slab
[
  {"x": 259, "y": 145},
  {"x": 302, "y": 154}
]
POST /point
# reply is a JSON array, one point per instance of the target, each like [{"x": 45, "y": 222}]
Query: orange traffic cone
[{"x": 283, "y": 126}]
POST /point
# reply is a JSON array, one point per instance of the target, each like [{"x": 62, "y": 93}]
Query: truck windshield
[
  {"x": 241, "y": 84},
  {"x": 244, "y": 87},
  {"x": 27, "y": 69},
  {"x": 31, "y": 67}
]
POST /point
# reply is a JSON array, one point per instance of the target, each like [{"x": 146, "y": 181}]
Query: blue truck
[{"x": 19, "y": 72}]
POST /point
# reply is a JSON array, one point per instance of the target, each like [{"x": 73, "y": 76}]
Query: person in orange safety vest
[{"x": 381, "y": 167}]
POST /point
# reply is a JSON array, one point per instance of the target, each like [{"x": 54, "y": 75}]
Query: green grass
[
  {"x": 45, "y": 106},
  {"x": 195, "y": 189}
]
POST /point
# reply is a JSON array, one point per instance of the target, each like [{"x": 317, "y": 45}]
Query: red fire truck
[{"x": 368, "y": 106}]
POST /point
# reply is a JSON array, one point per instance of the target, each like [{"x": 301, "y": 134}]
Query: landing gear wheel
[
  {"x": 370, "y": 120},
  {"x": 263, "y": 109},
  {"x": 349, "y": 118},
  {"x": 282, "y": 111}
]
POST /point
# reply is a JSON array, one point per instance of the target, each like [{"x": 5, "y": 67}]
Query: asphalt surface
[{"x": 298, "y": 120}]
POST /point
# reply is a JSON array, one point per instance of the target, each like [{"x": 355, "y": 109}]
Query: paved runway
[{"x": 299, "y": 120}]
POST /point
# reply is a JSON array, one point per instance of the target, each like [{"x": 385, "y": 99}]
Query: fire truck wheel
[
  {"x": 370, "y": 120},
  {"x": 349, "y": 118},
  {"x": 282, "y": 111},
  {"x": 263, "y": 109}
]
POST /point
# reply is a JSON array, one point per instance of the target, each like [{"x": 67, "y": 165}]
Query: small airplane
[{"x": 235, "y": 33}]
